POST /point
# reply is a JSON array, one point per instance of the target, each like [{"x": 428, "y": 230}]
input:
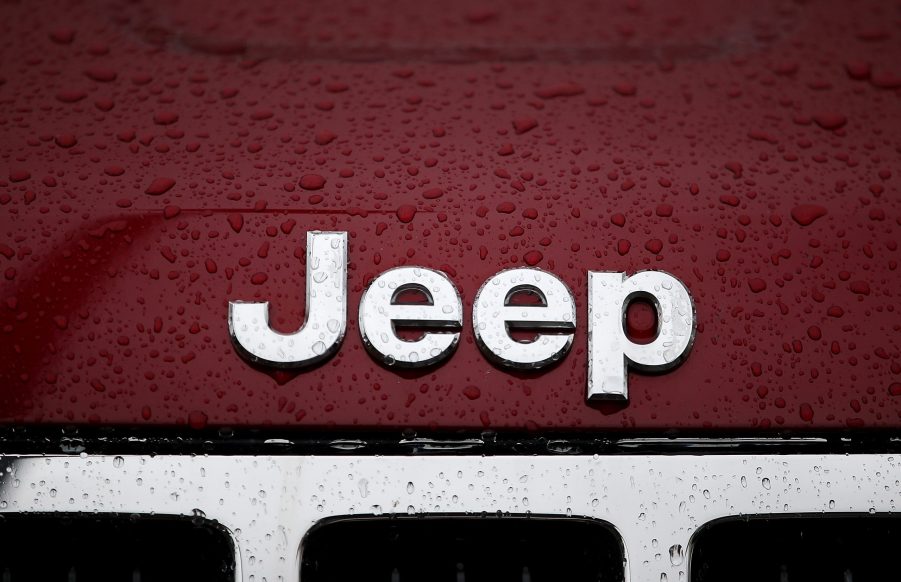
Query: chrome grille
[{"x": 656, "y": 504}]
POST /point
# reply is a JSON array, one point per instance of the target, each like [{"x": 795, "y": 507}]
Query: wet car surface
[
  {"x": 164, "y": 158},
  {"x": 168, "y": 166}
]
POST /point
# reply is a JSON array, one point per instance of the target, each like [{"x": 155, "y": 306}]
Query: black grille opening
[
  {"x": 113, "y": 548},
  {"x": 798, "y": 549},
  {"x": 462, "y": 549}
]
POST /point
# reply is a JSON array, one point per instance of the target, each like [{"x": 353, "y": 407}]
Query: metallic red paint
[{"x": 161, "y": 158}]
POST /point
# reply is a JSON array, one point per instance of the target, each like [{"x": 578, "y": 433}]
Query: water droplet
[{"x": 676, "y": 554}]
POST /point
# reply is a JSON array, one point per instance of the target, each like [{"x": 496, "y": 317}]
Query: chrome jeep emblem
[{"x": 440, "y": 318}]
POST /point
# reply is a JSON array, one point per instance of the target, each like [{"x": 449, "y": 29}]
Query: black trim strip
[{"x": 131, "y": 440}]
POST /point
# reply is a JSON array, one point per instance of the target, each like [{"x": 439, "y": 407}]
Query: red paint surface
[{"x": 161, "y": 158}]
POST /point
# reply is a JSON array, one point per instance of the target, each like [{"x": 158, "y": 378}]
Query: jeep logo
[{"x": 552, "y": 316}]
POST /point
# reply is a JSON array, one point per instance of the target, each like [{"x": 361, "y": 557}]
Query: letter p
[{"x": 611, "y": 352}]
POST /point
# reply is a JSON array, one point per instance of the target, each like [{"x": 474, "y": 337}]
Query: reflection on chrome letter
[
  {"x": 380, "y": 313},
  {"x": 610, "y": 351},
  {"x": 493, "y": 315},
  {"x": 326, "y": 312}
]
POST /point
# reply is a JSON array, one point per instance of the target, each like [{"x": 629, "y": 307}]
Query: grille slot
[
  {"x": 113, "y": 548},
  {"x": 798, "y": 549},
  {"x": 462, "y": 549}
]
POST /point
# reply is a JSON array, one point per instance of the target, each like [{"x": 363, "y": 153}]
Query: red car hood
[{"x": 160, "y": 159}]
